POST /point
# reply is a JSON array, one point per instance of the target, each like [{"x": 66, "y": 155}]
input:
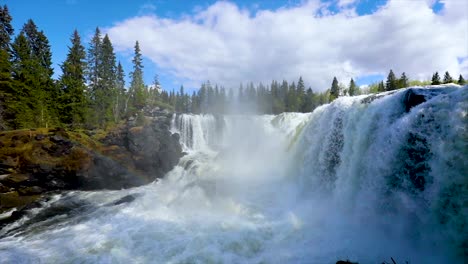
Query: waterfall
[{"x": 364, "y": 178}]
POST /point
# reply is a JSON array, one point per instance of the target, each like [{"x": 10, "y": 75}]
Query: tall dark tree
[
  {"x": 300, "y": 94},
  {"x": 6, "y": 31},
  {"x": 21, "y": 101},
  {"x": 448, "y": 78},
  {"x": 120, "y": 108},
  {"x": 6, "y": 85},
  {"x": 40, "y": 49},
  {"x": 72, "y": 83},
  {"x": 353, "y": 89},
  {"x": 381, "y": 87},
  {"x": 105, "y": 92},
  {"x": 32, "y": 70},
  {"x": 403, "y": 81},
  {"x": 435, "y": 79},
  {"x": 334, "y": 90},
  {"x": 461, "y": 80},
  {"x": 94, "y": 61},
  {"x": 391, "y": 83},
  {"x": 137, "y": 86}
]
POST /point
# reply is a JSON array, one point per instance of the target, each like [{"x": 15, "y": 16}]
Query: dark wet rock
[
  {"x": 126, "y": 199},
  {"x": 39, "y": 137},
  {"x": 345, "y": 262},
  {"x": 4, "y": 189},
  {"x": 30, "y": 190},
  {"x": 153, "y": 149},
  {"x": 15, "y": 179},
  {"x": 412, "y": 99}
]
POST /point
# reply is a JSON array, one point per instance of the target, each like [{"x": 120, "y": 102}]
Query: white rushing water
[{"x": 358, "y": 179}]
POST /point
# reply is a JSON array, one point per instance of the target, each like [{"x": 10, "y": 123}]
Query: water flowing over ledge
[{"x": 363, "y": 178}]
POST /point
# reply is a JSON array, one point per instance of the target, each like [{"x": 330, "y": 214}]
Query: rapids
[{"x": 364, "y": 178}]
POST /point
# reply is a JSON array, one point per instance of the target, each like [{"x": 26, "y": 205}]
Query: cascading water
[{"x": 364, "y": 178}]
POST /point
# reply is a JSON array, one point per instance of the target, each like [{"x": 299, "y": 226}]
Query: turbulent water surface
[{"x": 363, "y": 179}]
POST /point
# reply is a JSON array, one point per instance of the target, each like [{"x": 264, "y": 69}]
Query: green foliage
[
  {"x": 448, "y": 78},
  {"x": 391, "y": 83},
  {"x": 353, "y": 89},
  {"x": 461, "y": 80},
  {"x": 403, "y": 81},
  {"x": 33, "y": 95},
  {"x": 137, "y": 86},
  {"x": 334, "y": 90},
  {"x": 418, "y": 83},
  {"x": 435, "y": 79},
  {"x": 6, "y": 29},
  {"x": 73, "y": 101}
]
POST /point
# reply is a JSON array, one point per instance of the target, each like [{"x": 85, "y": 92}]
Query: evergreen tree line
[
  {"x": 393, "y": 83},
  {"x": 91, "y": 90},
  {"x": 275, "y": 98},
  {"x": 89, "y": 93}
]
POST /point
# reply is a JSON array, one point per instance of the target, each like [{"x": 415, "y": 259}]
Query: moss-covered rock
[{"x": 33, "y": 162}]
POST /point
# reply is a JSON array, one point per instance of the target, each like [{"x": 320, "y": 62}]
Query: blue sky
[{"x": 58, "y": 19}]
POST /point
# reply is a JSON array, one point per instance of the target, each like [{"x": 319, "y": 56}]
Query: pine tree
[
  {"x": 461, "y": 80},
  {"x": 6, "y": 32},
  {"x": 403, "y": 81},
  {"x": 72, "y": 83},
  {"x": 391, "y": 83},
  {"x": 35, "y": 93},
  {"x": 93, "y": 60},
  {"x": 381, "y": 87},
  {"x": 105, "y": 93},
  {"x": 448, "y": 78},
  {"x": 300, "y": 94},
  {"x": 43, "y": 86},
  {"x": 435, "y": 79},
  {"x": 352, "y": 90},
  {"x": 137, "y": 85},
  {"x": 120, "y": 108},
  {"x": 334, "y": 90}
]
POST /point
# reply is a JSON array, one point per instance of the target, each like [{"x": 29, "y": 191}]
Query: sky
[{"x": 228, "y": 42}]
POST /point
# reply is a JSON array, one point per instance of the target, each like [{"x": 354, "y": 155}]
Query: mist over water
[{"x": 358, "y": 179}]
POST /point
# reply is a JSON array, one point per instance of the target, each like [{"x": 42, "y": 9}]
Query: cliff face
[{"x": 33, "y": 162}]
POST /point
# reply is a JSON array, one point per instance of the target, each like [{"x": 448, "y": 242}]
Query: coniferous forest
[{"x": 91, "y": 90}]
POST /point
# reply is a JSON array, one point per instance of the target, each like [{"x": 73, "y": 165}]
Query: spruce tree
[
  {"x": 93, "y": 61},
  {"x": 6, "y": 31},
  {"x": 403, "y": 81},
  {"x": 120, "y": 109},
  {"x": 137, "y": 86},
  {"x": 352, "y": 90},
  {"x": 435, "y": 79},
  {"x": 448, "y": 78},
  {"x": 300, "y": 94},
  {"x": 72, "y": 83},
  {"x": 391, "y": 83},
  {"x": 334, "y": 90},
  {"x": 22, "y": 102},
  {"x": 105, "y": 92},
  {"x": 461, "y": 80},
  {"x": 6, "y": 85},
  {"x": 381, "y": 87},
  {"x": 43, "y": 86}
]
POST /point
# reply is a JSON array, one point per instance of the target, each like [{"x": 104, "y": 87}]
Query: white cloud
[
  {"x": 342, "y": 3},
  {"x": 227, "y": 45}
]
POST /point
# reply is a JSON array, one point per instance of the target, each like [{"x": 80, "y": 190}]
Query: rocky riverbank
[{"x": 39, "y": 161}]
